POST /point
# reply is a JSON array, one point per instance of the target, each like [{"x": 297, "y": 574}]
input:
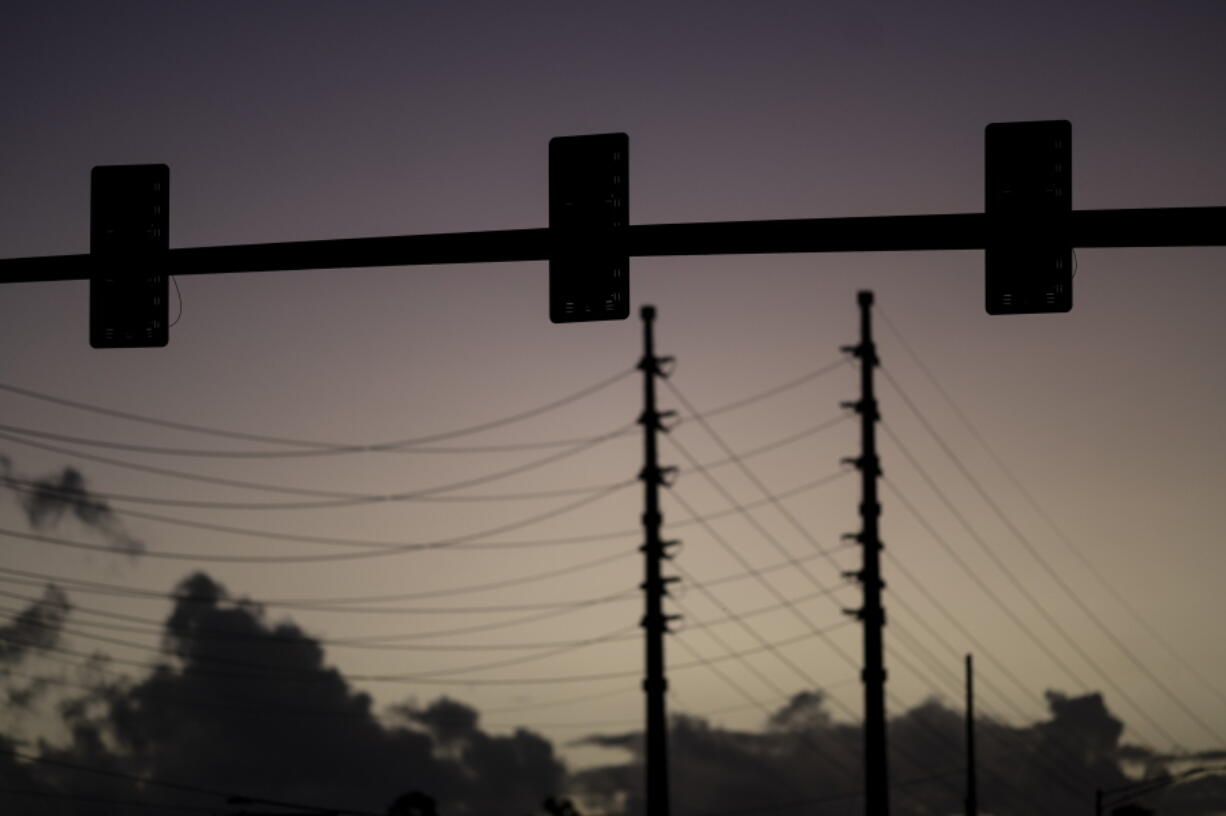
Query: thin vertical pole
[
  {"x": 972, "y": 785},
  {"x": 876, "y": 774},
  {"x": 655, "y": 622}
]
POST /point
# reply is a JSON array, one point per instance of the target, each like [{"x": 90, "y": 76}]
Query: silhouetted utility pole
[
  {"x": 876, "y": 775},
  {"x": 972, "y": 785},
  {"x": 655, "y": 585}
]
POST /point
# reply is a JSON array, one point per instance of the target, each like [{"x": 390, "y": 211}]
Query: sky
[{"x": 1052, "y": 482}]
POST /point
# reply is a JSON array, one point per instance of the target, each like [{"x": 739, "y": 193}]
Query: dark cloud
[
  {"x": 240, "y": 703},
  {"x": 1204, "y": 796},
  {"x": 452, "y": 723},
  {"x": 801, "y": 756},
  {"x": 23, "y": 697},
  {"x": 48, "y": 500},
  {"x": 15, "y": 776},
  {"x": 804, "y": 711},
  {"x": 37, "y": 627},
  {"x": 804, "y": 761}
]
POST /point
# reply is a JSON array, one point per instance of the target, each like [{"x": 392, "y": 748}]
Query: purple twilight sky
[{"x": 299, "y": 120}]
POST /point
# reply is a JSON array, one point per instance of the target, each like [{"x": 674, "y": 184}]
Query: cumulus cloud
[
  {"x": 242, "y": 704},
  {"x": 47, "y": 501},
  {"x": 804, "y": 761},
  {"x": 801, "y": 756}
]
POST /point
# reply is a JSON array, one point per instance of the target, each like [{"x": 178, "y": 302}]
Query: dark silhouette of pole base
[{"x": 972, "y": 783}]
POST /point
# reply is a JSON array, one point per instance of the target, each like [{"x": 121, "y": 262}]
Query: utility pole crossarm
[{"x": 1162, "y": 227}]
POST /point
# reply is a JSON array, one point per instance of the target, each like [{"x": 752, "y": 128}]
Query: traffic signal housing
[
  {"x": 589, "y": 213},
  {"x": 1028, "y": 202},
  {"x": 129, "y": 238}
]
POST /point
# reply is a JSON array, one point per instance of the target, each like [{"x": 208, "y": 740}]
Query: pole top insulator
[
  {"x": 648, "y": 312},
  {"x": 864, "y": 297}
]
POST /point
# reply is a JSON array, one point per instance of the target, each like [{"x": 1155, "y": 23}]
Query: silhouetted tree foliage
[
  {"x": 241, "y": 704},
  {"x": 244, "y": 705}
]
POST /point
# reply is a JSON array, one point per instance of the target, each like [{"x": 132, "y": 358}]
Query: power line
[
  {"x": 382, "y": 548},
  {"x": 258, "y": 671},
  {"x": 1056, "y": 769},
  {"x": 468, "y": 541},
  {"x": 749, "y": 474},
  {"x": 508, "y": 623},
  {"x": 1047, "y": 518},
  {"x": 757, "y": 482},
  {"x": 1021, "y": 588},
  {"x": 774, "y": 592},
  {"x": 945, "y": 738},
  {"x": 994, "y": 597},
  {"x": 483, "y": 609},
  {"x": 772, "y": 498},
  {"x": 430, "y": 494},
  {"x": 317, "y": 447},
  {"x": 766, "y": 584},
  {"x": 1052, "y": 573},
  {"x": 977, "y": 580},
  {"x": 365, "y": 641},
  {"x": 276, "y": 707},
  {"x": 939, "y": 668},
  {"x": 263, "y": 670},
  {"x": 121, "y": 590},
  {"x": 280, "y": 708},
  {"x": 753, "y": 632},
  {"x": 761, "y": 530},
  {"x": 847, "y": 681},
  {"x": 738, "y": 460},
  {"x": 759, "y": 704},
  {"x": 415, "y": 448},
  {"x": 377, "y": 641},
  {"x": 980, "y": 648},
  {"x": 272, "y": 638},
  {"x": 952, "y": 742},
  {"x": 132, "y": 447},
  {"x": 748, "y": 517},
  {"x": 161, "y": 783},
  {"x": 549, "y": 649},
  {"x": 377, "y": 547},
  {"x": 349, "y": 500}
]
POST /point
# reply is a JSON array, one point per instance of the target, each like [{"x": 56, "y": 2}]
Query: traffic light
[
  {"x": 1029, "y": 199},
  {"x": 129, "y": 236},
  {"x": 589, "y": 212}
]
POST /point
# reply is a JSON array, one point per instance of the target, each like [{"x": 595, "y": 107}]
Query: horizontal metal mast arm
[{"x": 1176, "y": 226}]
